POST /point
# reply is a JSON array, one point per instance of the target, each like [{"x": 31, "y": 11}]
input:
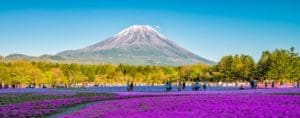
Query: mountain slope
[
  {"x": 19, "y": 56},
  {"x": 138, "y": 44}
]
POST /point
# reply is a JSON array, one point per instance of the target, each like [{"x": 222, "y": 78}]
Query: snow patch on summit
[{"x": 139, "y": 28}]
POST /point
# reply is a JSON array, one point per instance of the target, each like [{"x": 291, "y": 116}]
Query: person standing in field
[
  {"x": 252, "y": 84},
  {"x": 204, "y": 86},
  {"x": 273, "y": 84},
  {"x": 179, "y": 86},
  {"x": 193, "y": 86},
  {"x": 242, "y": 87},
  {"x": 128, "y": 86},
  {"x": 266, "y": 84},
  {"x": 183, "y": 85},
  {"x": 131, "y": 86},
  {"x": 255, "y": 84},
  {"x": 197, "y": 86},
  {"x": 168, "y": 86}
]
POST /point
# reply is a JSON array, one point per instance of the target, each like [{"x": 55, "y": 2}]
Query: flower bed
[
  {"x": 231, "y": 103},
  {"x": 46, "y": 107},
  {"x": 197, "y": 105}
]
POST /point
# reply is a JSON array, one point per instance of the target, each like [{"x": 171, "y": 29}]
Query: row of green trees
[{"x": 279, "y": 65}]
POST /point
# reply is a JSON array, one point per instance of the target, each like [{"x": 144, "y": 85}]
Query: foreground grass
[{"x": 9, "y": 98}]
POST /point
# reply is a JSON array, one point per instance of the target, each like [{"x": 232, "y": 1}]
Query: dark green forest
[{"x": 280, "y": 65}]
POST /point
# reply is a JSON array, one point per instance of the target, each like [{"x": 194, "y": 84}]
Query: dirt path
[{"x": 71, "y": 109}]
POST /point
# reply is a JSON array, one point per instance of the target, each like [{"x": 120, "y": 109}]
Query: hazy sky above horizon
[{"x": 209, "y": 28}]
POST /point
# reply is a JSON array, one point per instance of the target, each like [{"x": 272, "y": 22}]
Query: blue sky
[{"x": 209, "y": 28}]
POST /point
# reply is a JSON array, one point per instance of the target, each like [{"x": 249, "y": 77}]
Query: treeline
[{"x": 280, "y": 65}]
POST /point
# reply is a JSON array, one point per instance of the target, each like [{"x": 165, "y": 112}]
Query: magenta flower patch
[{"x": 234, "y": 104}]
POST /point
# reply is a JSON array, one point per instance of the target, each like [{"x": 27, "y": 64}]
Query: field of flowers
[
  {"x": 248, "y": 103},
  {"x": 27, "y": 103},
  {"x": 39, "y": 104}
]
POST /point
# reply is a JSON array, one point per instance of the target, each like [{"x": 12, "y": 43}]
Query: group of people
[
  {"x": 297, "y": 84},
  {"x": 6, "y": 86},
  {"x": 253, "y": 84},
  {"x": 196, "y": 86},
  {"x": 182, "y": 85},
  {"x": 272, "y": 84}
]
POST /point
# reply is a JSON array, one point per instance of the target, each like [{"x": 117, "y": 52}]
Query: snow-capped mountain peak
[
  {"x": 137, "y": 44},
  {"x": 139, "y": 29}
]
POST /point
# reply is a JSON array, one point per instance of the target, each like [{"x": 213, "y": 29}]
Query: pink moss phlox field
[
  {"x": 44, "y": 107},
  {"x": 253, "y": 104}
]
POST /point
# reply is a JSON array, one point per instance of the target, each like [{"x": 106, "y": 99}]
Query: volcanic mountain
[{"x": 138, "y": 44}]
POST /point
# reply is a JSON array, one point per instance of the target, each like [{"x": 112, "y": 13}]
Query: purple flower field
[
  {"x": 44, "y": 107},
  {"x": 39, "y": 104},
  {"x": 278, "y": 103},
  {"x": 260, "y": 103}
]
